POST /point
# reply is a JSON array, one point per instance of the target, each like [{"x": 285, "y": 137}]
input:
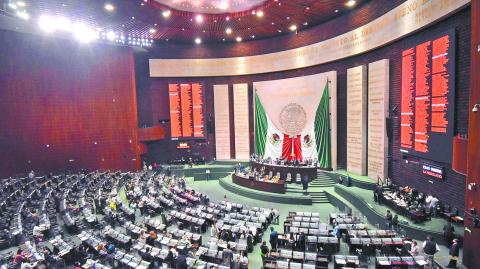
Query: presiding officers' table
[
  {"x": 309, "y": 171},
  {"x": 250, "y": 182}
]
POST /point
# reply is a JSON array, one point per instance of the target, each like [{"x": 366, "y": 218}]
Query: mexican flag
[{"x": 314, "y": 140}]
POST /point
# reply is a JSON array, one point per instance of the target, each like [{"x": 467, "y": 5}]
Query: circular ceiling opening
[{"x": 212, "y": 6}]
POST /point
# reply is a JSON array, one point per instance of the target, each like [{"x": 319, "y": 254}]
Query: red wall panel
[
  {"x": 471, "y": 255},
  {"x": 65, "y": 106}
]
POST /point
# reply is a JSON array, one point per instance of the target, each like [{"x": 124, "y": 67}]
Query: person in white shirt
[
  {"x": 414, "y": 249},
  {"x": 243, "y": 260},
  {"x": 214, "y": 231},
  {"x": 37, "y": 231}
]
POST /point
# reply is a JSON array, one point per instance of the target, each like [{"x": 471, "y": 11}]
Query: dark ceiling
[{"x": 144, "y": 18}]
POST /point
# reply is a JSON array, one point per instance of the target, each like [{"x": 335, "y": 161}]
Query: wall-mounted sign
[
  {"x": 432, "y": 170},
  {"x": 183, "y": 145}
]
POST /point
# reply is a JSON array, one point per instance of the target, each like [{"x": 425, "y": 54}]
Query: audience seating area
[{"x": 121, "y": 220}]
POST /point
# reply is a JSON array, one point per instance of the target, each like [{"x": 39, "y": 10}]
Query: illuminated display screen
[
  {"x": 186, "y": 110},
  {"x": 432, "y": 170},
  {"x": 428, "y": 99}
]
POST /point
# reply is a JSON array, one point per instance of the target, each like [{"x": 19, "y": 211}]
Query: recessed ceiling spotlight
[
  {"x": 293, "y": 27},
  {"x": 133, "y": 18},
  {"x": 227, "y": 18},
  {"x": 198, "y": 40},
  {"x": 223, "y": 5},
  {"x": 273, "y": 23},
  {"x": 109, "y": 7},
  {"x": 288, "y": 18},
  {"x": 199, "y": 18},
  {"x": 228, "y": 31},
  {"x": 279, "y": 30},
  {"x": 152, "y": 31},
  {"x": 253, "y": 36},
  {"x": 166, "y": 13},
  {"x": 336, "y": 10},
  {"x": 305, "y": 23},
  {"x": 238, "y": 39},
  {"x": 260, "y": 13},
  {"x": 111, "y": 35},
  {"x": 47, "y": 24},
  {"x": 350, "y": 3},
  {"x": 83, "y": 33},
  {"x": 63, "y": 24},
  {"x": 253, "y": 12},
  {"x": 223, "y": 39},
  {"x": 23, "y": 15},
  {"x": 142, "y": 4},
  {"x": 307, "y": 8}
]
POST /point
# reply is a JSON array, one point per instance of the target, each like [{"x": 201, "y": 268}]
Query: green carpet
[
  {"x": 355, "y": 176},
  {"x": 218, "y": 170}
]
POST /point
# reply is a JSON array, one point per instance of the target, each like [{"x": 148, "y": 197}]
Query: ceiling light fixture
[
  {"x": 63, "y": 24},
  {"x": 228, "y": 31},
  {"x": 260, "y": 13},
  {"x": 223, "y": 5},
  {"x": 199, "y": 18},
  {"x": 166, "y": 13},
  {"x": 198, "y": 41},
  {"x": 152, "y": 31},
  {"x": 109, "y": 7},
  {"x": 111, "y": 35},
  {"x": 23, "y": 15},
  {"x": 350, "y": 3},
  {"x": 83, "y": 33},
  {"x": 293, "y": 28},
  {"x": 47, "y": 24},
  {"x": 238, "y": 39},
  {"x": 12, "y": 6}
]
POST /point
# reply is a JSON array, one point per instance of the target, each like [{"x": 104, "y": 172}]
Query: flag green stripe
[
  {"x": 322, "y": 131},
  {"x": 261, "y": 127}
]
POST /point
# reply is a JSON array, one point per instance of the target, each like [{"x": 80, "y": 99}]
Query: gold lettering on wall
[{"x": 408, "y": 17}]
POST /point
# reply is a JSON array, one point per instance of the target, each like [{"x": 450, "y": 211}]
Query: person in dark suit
[
  {"x": 448, "y": 232},
  {"x": 305, "y": 184},
  {"x": 181, "y": 261},
  {"x": 454, "y": 251},
  {"x": 301, "y": 242}
]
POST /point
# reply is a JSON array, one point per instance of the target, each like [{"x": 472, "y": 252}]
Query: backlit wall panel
[
  {"x": 222, "y": 122},
  {"x": 428, "y": 98},
  {"x": 378, "y": 89},
  {"x": 357, "y": 120},
  {"x": 186, "y": 110},
  {"x": 241, "y": 122}
]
